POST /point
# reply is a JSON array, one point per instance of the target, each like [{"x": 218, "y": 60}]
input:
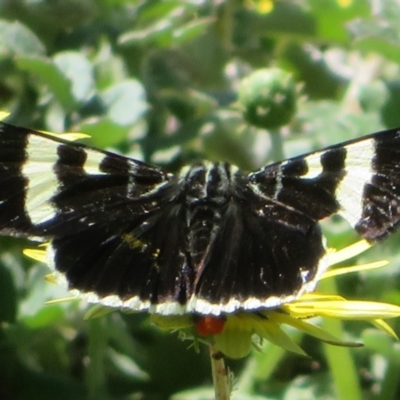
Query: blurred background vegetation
[{"x": 158, "y": 80}]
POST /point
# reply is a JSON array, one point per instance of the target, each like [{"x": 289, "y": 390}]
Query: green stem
[
  {"x": 220, "y": 375},
  {"x": 276, "y": 145}
]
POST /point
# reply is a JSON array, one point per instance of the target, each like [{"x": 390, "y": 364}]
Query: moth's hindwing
[{"x": 211, "y": 239}]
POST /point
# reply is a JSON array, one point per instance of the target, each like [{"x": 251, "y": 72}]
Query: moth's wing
[
  {"x": 50, "y": 186},
  {"x": 269, "y": 248},
  {"x": 262, "y": 255},
  {"x": 140, "y": 267},
  {"x": 115, "y": 224},
  {"x": 359, "y": 179}
]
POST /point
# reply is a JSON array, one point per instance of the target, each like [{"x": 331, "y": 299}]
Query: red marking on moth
[{"x": 210, "y": 325}]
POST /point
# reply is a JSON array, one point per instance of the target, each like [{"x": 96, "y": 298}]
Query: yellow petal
[
  {"x": 384, "y": 326},
  {"x": 70, "y": 136},
  {"x": 315, "y": 296},
  {"x": 348, "y": 252},
  {"x": 271, "y": 331},
  {"x": 61, "y": 300},
  {"x": 354, "y": 268},
  {"x": 3, "y": 115},
  {"x": 312, "y": 330},
  {"x": 36, "y": 254},
  {"x": 97, "y": 311},
  {"x": 356, "y": 310},
  {"x": 50, "y": 278}
]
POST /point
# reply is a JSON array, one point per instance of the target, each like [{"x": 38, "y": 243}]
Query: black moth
[{"x": 212, "y": 239}]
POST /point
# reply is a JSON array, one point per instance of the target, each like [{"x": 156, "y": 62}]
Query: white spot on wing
[
  {"x": 349, "y": 193},
  {"x": 93, "y": 161},
  {"x": 38, "y": 169},
  {"x": 314, "y": 166},
  {"x": 42, "y": 155}
]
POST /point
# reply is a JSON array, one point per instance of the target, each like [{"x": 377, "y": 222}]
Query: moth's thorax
[
  {"x": 207, "y": 183},
  {"x": 207, "y": 189}
]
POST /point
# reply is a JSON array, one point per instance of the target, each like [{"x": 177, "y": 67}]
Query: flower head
[{"x": 235, "y": 334}]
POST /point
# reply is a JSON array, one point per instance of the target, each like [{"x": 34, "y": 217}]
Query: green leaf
[
  {"x": 78, "y": 71},
  {"x": 46, "y": 316},
  {"x": 17, "y": 39},
  {"x": 126, "y": 366},
  {"x": 109, "y": 67},
  {"x": 51, "y": 76},
  {"x": 373, "y": 36},
  {"x": 379, "y": 342},
  {"x": 125, "y": 102},
  {"x": 104, "y": 132},
  {"x": 159, "y": 32},
  {"x": 331, "y": 17},
  {"x": 192, "y": 29},
  {"x": 159, "y": 10},
  {"x": 187, "y": 104}
]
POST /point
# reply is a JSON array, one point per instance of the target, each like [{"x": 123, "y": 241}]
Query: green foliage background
[{"x": 158, "y": 80}]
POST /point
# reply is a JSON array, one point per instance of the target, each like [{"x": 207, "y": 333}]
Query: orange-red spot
[{"x": 210, "y": 325}]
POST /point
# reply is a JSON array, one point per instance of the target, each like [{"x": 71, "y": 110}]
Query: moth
[{"x": 211, "y": 239}]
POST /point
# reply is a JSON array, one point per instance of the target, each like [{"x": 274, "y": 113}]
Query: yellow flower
[
  {"x": 261, "y": 6},
  {"x": 234, "y": 335}
]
